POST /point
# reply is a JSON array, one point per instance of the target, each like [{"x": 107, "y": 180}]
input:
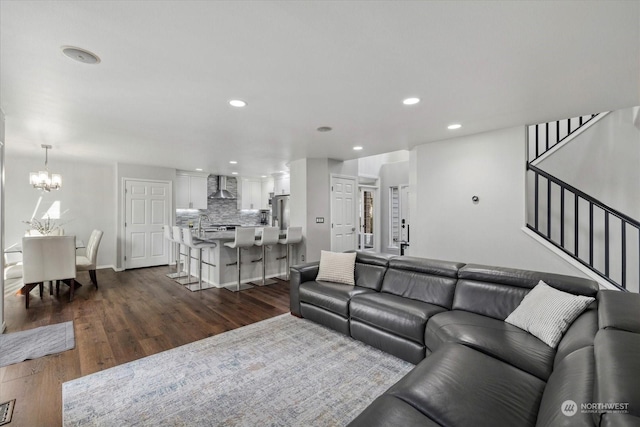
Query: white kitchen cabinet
[
  {"x": 267, "y": 188},
  {"x": 282, "y": 185},
  {"x": 250, "y": 191},
  {"x": 191, "y": 191}
]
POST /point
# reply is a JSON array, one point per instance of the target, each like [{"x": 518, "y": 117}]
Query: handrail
[
  {"x": 585, "y": 196},
  {"x": 548, "y": 144}
]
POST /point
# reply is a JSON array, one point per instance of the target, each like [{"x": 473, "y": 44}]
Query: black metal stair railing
[
  {"x": 544, "y": 136},
  {"x": 574, "y": 221}
]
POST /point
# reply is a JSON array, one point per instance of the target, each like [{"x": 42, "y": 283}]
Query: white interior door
[
  {"x": 147, "y": 209},
  {"x": 343, "y": 214}
]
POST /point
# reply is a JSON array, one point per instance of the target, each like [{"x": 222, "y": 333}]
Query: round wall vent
[{"x": 80, "y": 55}]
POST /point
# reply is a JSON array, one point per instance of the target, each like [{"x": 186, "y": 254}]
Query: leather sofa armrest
[{"x": 299, "y": 274}]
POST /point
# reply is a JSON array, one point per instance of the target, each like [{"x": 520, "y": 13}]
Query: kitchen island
[{"x": 218, "y": 263}]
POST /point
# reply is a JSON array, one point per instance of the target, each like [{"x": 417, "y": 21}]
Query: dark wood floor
[{"x": 133, "y": 314}]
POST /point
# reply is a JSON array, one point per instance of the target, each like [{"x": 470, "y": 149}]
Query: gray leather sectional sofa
[{"x": 473, "y": 369}]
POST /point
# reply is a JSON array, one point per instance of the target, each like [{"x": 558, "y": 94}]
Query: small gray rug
[
  {"x": 282, "y": 371},
  {"x": 33, "y": 343}
]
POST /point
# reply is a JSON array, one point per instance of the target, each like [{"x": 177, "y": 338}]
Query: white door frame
[
  {"x": 123, "y": 231},
  {"x": 355, "y": 212},
  {"x": 376, "y": 213}
]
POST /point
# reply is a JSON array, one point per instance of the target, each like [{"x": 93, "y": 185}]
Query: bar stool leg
[
  {"x": 288, "y": 265},
  {"x": 186, "y": 280},
  {"x": 176, "y": 254}
]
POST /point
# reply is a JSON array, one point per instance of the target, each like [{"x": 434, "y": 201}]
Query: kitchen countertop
[{"x": 213, "y": 236}]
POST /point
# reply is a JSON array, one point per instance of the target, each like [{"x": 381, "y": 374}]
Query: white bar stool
[
  {"x": 192, "y": 243},
  {"x": 270, "y": 236},
  {"x": 178, "y": 237},
  {"x": 245, "y": 238},
  {"x": 168, "y": 234},
  {"x": 294, "y": 235}
]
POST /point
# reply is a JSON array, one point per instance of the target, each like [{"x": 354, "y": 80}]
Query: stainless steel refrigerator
[{"x": 280, "y": 211}]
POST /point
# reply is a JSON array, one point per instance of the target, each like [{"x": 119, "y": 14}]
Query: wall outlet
[
  {"x": 319, "y": 220},
  {"x": 302, "y": 258}
]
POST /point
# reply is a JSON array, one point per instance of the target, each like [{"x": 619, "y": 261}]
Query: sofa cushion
[
  {"x": 388, "y": 411},
  {"x": 617, "y": 371},
  {"x": 493, "y": 337},
  {"x": 459, "y": 386},
  {"x": 580, "y": 334},
  {"x": 330, "y": 296},
  {"x": 370, "y": 269},
  {"x": 425, "y": 280},
  {"x": 528, "y": 279},
  {"x": 547, "y": 313},
  {"x": 401, "y": 316},
  {"x": 619, "y": 310},
  {"x": 400, "y": 347},
  {"x": 337, "y": 267},
  {"x": 572, "y": 379},
  {"x": 488, "y": 299}
]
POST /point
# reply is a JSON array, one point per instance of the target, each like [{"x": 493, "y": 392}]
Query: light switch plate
[{"x": 319, "y": 220}]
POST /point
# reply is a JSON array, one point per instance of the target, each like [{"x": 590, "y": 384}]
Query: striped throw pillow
[
  {"x": 547, "y": 313},
  {"x": 337, "y": 267}
]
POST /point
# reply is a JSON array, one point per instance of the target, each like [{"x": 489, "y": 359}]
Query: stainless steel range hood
[{"x": 222, "y": 192}]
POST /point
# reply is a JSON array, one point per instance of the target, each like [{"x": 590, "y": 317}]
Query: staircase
[{"x": 598, "y": 237}]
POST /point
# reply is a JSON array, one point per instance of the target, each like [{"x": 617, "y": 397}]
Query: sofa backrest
[
  {"x": 497, "y": 291},
  {"x": 421, "y": 279},
  {"x": 370, "y": 269},
  {"x": 617, "y": 346}
]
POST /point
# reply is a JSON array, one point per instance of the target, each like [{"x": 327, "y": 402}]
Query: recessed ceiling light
[
  {"x": 80, "y": 55},
  {"x": 199, "y": 169},
  {"x": 234, "y": 173},
  {"x": 454, "y": 126},
  {"x": 357, "y": 148},
  {"x": 263, "y": 176},
  {"x": 411, "y": 101},
  {"x": 233, "y": 162},
  {"x": 237, "y": 103},
  {"x": 324, "y": 129}
]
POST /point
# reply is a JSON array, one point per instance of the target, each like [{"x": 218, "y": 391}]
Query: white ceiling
[{"x": 160, "y": 95}]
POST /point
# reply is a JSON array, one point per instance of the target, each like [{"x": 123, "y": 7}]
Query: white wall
[
  {"x": 604, "y": 161},
  {"x": 447, "y": 225},
  {"x": 86, "y": 200},
  {"x": 370, "y": 165},
  {"x": 2, "y": 243},
  {"x": 298, "y": 204}
]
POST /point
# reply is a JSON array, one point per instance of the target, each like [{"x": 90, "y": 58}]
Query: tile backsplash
[{"x": 219, "y": 211}]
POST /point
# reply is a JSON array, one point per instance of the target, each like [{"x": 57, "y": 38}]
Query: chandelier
[{"x": 42, "y": 180}]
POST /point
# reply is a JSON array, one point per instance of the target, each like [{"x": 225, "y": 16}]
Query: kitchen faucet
[{"x": 206, "y": 217}]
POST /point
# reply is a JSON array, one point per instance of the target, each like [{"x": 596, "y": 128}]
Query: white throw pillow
[
  {"x": 337, "y": 267},
  {"x": 547, "y": 313}
]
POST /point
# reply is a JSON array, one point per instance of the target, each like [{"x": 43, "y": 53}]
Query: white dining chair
[
  {"x": 87, "y": 262},
  {"x": 12, "y": 266},
  {"x": 48, "y": 258}
]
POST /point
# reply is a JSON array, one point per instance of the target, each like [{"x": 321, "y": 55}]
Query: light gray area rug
[
  {"x": 282, "y": 371},
  {"x": 33, "y": 343}
]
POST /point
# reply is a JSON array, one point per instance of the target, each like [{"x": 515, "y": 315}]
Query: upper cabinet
[
  {"x": 281, "y": 185},
  {"x": 253, "y": 193},
  {"x": 191, "y": 191},
  {"x": 249, "y": 193},
  {"x": 267, "y": 188}
]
